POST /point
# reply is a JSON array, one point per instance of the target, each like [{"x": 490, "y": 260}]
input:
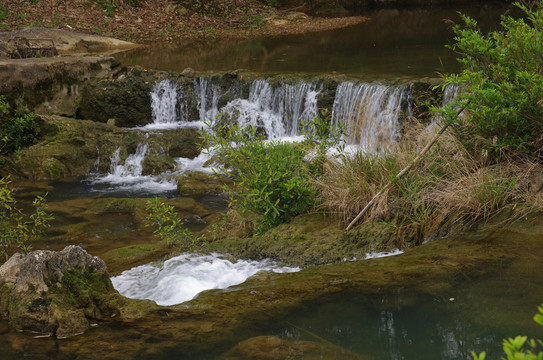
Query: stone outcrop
[
  {"x": 67, "y": 42},
  {"x": 56, "y": 293},
  {"x": 38, "y": 80},
  {"x": 51, "y": 84},
  {"x": 71, "y": 148}
]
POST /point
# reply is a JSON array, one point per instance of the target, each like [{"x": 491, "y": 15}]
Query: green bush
[
  {"x": 169, "y": 225},
  {"x": 271, "y": 179},
  {"x": 17, "y": 128},
  {"x": 501, "y": 85},
  {"x": 520, "y": 348},
  {"x": 17, "y": 231}
]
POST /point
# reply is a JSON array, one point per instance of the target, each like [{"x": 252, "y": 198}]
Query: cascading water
[
  {"x": 164, "y": 103},
  {"x": 371, "y": 113},
  {"x": 128, "y": 176},
  {"x": 208, "y": 95},
  {"x": 279, "y": 111},
  {"x": 181, "y": 278}
]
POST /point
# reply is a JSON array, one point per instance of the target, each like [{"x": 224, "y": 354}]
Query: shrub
[
  {"x": 450, "y": 187},
  {"x": 501, "y": 85},
  {"x": 17, "y": 231},
  {"x": 271, "y": 179},
  {"x": 169, "y": 225},
  {"x": 520, "y": 348},
  {"x": 271, "y": 183},
  {"x": 17, "y": 128}
]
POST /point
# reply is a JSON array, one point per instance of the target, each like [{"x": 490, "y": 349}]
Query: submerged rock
[
  {"x": 272, "y": 347},
  {"x": 56, "y": 292}
]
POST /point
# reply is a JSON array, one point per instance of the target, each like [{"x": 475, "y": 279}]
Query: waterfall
[
  {"x": 371, "y": 113},
  {"x": 128, "y": 176},
  {"x": 279, "y": 111},
  {"x": 208, "y": 95},
  {"x": 133, "y": 165},
  {"x": 164, "y": 102},
  {"x": 449, "y": 93}
]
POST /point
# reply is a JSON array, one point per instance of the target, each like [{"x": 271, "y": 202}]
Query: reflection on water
[
  {"x": 432, "y": 330},
  {"x": 393, "y": 43}
]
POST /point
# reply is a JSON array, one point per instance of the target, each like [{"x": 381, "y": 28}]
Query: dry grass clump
[{"x": 450, "y": 188}]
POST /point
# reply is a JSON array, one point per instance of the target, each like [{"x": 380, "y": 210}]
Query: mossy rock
[
  {"x": 183, "y": 143},
  {"x": 126, "y": 99},
  {"x": 155, "y": 164},
  {"x": 198, "y": 183},
  {"x": 307, "y": 240}
]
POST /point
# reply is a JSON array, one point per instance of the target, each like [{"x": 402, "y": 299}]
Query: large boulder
[{"x": 58, "y": 293}]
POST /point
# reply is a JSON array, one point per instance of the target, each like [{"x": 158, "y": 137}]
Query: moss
[{"x": 128, "y": 256}]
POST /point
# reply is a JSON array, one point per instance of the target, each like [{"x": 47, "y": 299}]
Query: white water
[
  {"x": 164, "y": 102},
  {"x": 279, "y": 111},
  {"x": 371, "y": 113},
  {"x": 185, "y": 165},
  {"x": 181, "y": 278},
  {"x": 128, "y": 175},
  {"x": 208, "y": 98}
]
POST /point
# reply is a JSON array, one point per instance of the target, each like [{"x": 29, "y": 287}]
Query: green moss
[{"x": 128, "y": 256}]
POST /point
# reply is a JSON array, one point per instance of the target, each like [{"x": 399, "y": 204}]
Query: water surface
[{"x": 391, "y": 44}]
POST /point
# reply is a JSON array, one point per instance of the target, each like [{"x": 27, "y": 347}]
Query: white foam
[
  {"x": 181, "y": 278},
  {"x": 376, "y": 255}
]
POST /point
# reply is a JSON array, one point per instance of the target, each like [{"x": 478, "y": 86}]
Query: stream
[{"x": 381, "y": 58}]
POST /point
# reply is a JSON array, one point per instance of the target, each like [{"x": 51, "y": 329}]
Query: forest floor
[{"x": 163, "y": 20}]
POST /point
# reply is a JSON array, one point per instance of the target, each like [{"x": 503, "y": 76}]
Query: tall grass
[{"x": 450, "y": 188}]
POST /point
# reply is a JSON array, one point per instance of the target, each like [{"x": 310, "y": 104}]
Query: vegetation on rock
[
  {"x": 18, "y": 128},
  {"x": 271, "y": 178},
  {"x": 17, "y": 230}
]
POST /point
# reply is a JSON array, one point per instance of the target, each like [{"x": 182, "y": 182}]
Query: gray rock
[{"x": 56, "y": 292}]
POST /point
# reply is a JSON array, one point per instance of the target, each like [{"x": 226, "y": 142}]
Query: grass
[{"x": 450, "y": 188}]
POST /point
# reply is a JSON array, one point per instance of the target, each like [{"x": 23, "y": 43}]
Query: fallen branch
[{"x": 401, "y": 173}]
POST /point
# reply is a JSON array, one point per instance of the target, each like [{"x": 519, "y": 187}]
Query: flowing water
[{"x": 181, "y": 278}]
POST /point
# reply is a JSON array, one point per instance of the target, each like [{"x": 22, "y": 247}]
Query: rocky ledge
[{"x": 59, "y": 293}]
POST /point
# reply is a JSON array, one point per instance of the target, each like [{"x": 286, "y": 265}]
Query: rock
[
  {"x": 56, "y": 292},
  {"x": 38, "y": 80},
  {"x": 278, "y": 22},
  {"x": 272, "y": 347},
  {"x": 296, "y": 15},
  {"x": 10, "y": 269},
  {"x": 199, "y": 183},
  {"x": 188, "y": 72},
  {"x": 127, "y": 99},
  {"x": 68, "y": 42},
  {"x": 155, "y": 164},
  {"x": 194, "y": 220}
]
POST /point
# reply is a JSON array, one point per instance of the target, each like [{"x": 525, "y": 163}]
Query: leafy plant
[
  {"x": 520, "y": 348},
  {"x": 501, "y": 84},
  {"x": 169, "y": 225},
  {"x": 17, "y": 230},
  {"x": 271, "y": 184},
  {"x": 271, "y": 178},
  {"x": 17, "y": 128}
]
